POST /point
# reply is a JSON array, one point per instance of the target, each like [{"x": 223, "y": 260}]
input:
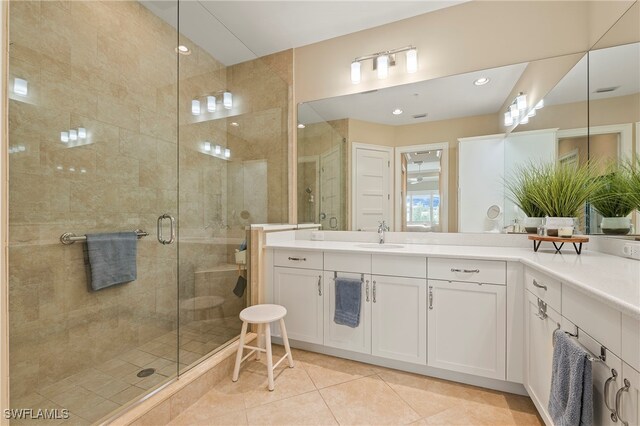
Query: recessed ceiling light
[
  {"x": 183, "y": 50},
  {"x": 482, "y": 81},
  {"x": 397, "y": 111},
  {"x": 234, "y": 124},
  {"x": 301, "y": 126}
]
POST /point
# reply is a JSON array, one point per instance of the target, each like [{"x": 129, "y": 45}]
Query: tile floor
[
  {"x": 96, "y": 392},
  {"x": 326, "y": 390}
]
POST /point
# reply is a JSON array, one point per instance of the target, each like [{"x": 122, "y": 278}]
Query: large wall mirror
[{"x": 437, "y": 155}]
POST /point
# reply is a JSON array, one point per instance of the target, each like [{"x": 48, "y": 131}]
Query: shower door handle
[{"x": 172, "y": 229}]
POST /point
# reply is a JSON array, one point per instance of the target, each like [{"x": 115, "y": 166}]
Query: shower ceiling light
[
  {"x": 211, "y": 103},
  {"x": 20, "y": 86},
  {"x": 397, "y": 111},
  {"x": 183, "y": 50},
  {"x": 227, "y": 100},
  {"x": 383, "y": 60},
  {"x": 301, "y": 126},
  {"x": 482, "y": 81}
]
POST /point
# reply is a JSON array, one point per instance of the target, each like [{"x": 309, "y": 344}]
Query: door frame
[
  {"x": 444, "y": 176},
  {"x": 625, "y": 148},
  {"x": 389, "y": 150}
]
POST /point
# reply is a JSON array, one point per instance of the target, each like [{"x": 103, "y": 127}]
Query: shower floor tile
[{"x": 93, "y": 393}]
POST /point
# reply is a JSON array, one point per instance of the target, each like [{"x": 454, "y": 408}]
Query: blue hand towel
[
  {"x": 571, "y": 399},
  {"x": 112, "y": 258},
  {"x": 348, "y": 300}
]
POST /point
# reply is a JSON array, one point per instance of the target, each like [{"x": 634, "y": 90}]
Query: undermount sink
[{"x": 381, "y": 246}]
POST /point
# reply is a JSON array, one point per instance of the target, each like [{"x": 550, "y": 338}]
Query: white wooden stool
[{"x": 263, "y": 315}]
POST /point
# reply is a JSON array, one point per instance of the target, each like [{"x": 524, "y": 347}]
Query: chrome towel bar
[{"x": 69, "y": 237}]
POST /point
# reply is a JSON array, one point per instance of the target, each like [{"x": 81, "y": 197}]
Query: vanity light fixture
[
  {"x": 227, "y": 153},
  {"x": 64, "y": 137},
  {"x": 82, "y": 133},
  {"x": 301, "y": 126},
  {"x": 532, "y": 113},
  {"x": 482, "y": 81},
  {"x": 73, "y": 135},
  {"x": 540, "y": 104},
  {"x": 515, "y": 112},
  {"x": 508, "y": 120},
  {"x": 195, "y": 107},
  {"x": 524, "y": 119},
  {"x": 521, "y": 101},
  {"x": 227, "y": 100},
  {"x": 20, "y": 86},
  {"x": 207, "y": 146},
  {"x": 383, "y": 60},
  {"x": 217, "y": 150},
  {"x": 397, "y": 111},
  {"x": 211, "y": 103}
]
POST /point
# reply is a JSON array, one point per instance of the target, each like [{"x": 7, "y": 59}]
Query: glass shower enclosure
[{"x": 120, "y": 121}]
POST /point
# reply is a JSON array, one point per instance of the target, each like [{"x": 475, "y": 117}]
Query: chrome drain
[{"x": 146, "y": 372}]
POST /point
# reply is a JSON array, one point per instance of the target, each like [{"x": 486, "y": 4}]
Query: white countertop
[{"x": 614, "y": 280}]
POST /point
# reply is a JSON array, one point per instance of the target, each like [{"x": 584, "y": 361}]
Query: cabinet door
[
  {"x": 300, "y": 291},
  {"x": 399, "y": 318},
  {"x": 539, "y": 353},
  {"x": 629, "y": 405},
  {"x": 341, "y": 336},
  {"x": 467, "y": 328}
]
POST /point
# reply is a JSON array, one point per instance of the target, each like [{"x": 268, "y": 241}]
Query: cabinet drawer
[
  {"x": 600, "y": 321},
  {"x": 304, "y": 259},
  {"x": 544, "y": 287},
  {"x": 477, "y": 271},
  {"x": 399, "y": 266},
  {"x": 347, "y": 262}
]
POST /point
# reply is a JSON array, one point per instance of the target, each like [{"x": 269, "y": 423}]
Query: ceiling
[
  {"x": 617, "y": 66},
  {"x": 441, "y": 99},
  {"x": 237, "y": 31}
]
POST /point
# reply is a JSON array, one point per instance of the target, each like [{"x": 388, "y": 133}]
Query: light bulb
[
  {"x": 195, "y": 107},
  {"x": 207, "y": 146},
  {"x": 227, "y": 153},
  {"x": 508, "y": 120},
  {"x": 521, "y": 101},
  {"x": 355, "y": 72},
  {"x": 20, "y": 86},
  {"x": 211, "y": 103},
  {"x": 382, "y": 63},
  {"x": 73, "y": 135},
  {"x": 217, "y": 150},
  {"x": 540, "y": 104},
  {"x": 412, "y": 61},
  {"x": 64, "y": 137},
  {"x": 82, "y": 133},
  {"x": 227, "y": 100},
  {"x": 532, "y": 113},
  {"x": 515, "y": 112}
]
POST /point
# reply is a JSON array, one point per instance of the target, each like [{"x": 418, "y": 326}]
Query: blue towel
[
  {"x": 111, "y": 258},
  {"x": 348, "y": 300},
  {"x": 571, "y": 399}
]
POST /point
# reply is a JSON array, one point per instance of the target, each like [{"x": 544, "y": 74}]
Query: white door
[
  {"x": 300, "y": 291},
  {"x": 330, "y": 189},
  {"x": 399, "y": 318},
  {"x": 539, "y": 353},
  {"x": 341, "y": 336},
  {"x": 371, "y": 187},
  {"x": 467, "y": 328},
  {"x": 630, "y": 398}
]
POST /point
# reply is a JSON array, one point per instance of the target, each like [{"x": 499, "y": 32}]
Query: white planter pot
[
  {"x": 552, "y": 224},
  {"x": 616, "y": 225},
  {"x": 531, "y": 224}
]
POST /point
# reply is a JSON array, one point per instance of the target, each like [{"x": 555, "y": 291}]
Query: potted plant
[
  {"x": 562, "y": 191},
  {"x": 521, "y": 188},
  {"x": 614, "y": 200}
]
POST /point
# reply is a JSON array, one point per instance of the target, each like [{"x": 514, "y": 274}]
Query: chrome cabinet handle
[
  {"x": 542, "y": 310},
  {"x": 542, "y": 286},
  {"x": 607, "y": 385},
  {"x": 319, "y": 285},
  {"x": 298, "y": 259},
  {"x": 626, "y": 387},
  {"x": 172, "y": 229},
  {"x": 374, "y": 291},
  {"x": 366, "y": 290},
  {"x": 466, "y": 271},
  {"x": 430, "y": 297}
]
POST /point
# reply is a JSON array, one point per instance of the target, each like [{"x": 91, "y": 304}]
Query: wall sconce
[
  {"x": 383, "y": 60},
  {"x": 211, "y": 102},
  {"x": 517, "y": 111},
  {"x": 20, "y": 86}
]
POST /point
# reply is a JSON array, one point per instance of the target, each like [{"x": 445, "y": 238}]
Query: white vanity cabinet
[
  {"x": 399, "y": 318},
  {"x": 301, "y": 292},
  {"x": 467, "y": 328},
  {"x": 356, "y": 339},
  {"x": 628, "y": 397}
]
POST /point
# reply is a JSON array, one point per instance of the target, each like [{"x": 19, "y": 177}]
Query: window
[{"x": 423, "y": 208}]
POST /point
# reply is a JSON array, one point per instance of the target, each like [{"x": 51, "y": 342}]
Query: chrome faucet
[{"x": 381, "y": 228}]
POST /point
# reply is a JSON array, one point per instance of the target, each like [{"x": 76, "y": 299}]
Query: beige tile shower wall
[{"x": 109, "y": 67}]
